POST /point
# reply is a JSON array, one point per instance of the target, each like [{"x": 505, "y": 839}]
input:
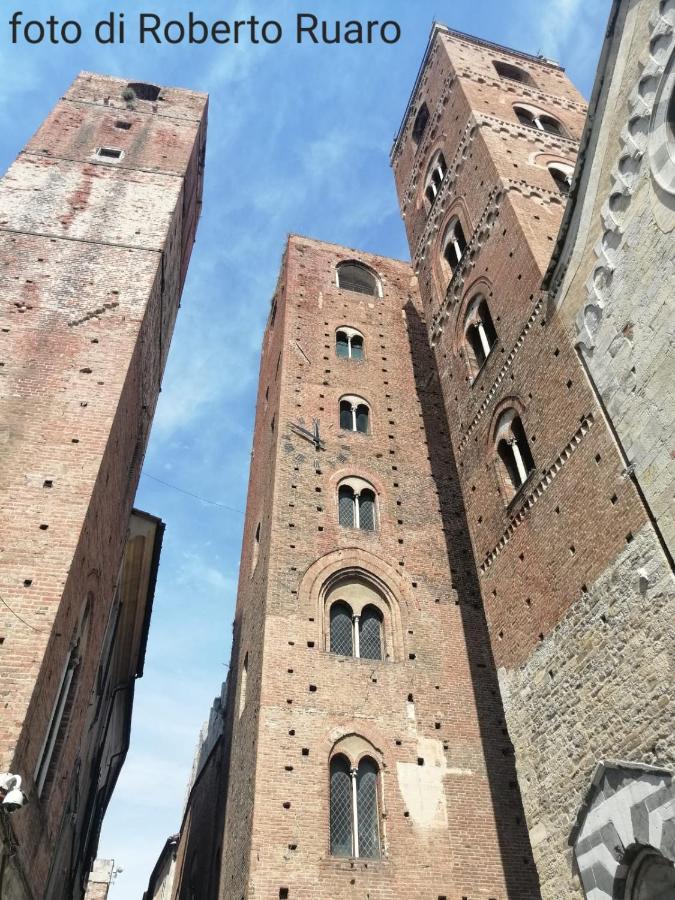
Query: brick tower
[
  {"x": 368, "y": 754},
  {"x": 97, "y": 222},
  {"x": 483, "y": 162}
]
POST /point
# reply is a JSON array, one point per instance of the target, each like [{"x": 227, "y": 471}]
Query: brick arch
[
  {"x": 354, "y": 745},
  {"x": 329, "y": 570},
  {"x": 356, "y": 472},
  {"x": 439, "y": 145},
  {"x": 458, "y": 210},
  {"x": 505, "y": 403}
]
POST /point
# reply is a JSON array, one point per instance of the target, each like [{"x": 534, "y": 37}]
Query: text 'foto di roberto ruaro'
[{"x": 151, "y": 28}]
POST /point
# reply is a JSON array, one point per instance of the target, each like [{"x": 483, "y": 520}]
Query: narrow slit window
[{"x": 109, "y": 153}]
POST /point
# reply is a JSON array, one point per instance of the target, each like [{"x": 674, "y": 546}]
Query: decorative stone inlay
[
  {"x": 629, "y": 807},
  {"x": 480, "y": 235},
  {"x": 542, "y": 485},
  {"x": 502, "y": 372},
  {"x": 633, "y": 142}
]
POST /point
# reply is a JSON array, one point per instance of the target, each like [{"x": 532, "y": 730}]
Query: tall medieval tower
[
  {"x": 97, "y": 222},
  {"x": 562, "y": 541},
  {"x": 368, "y": 753}
]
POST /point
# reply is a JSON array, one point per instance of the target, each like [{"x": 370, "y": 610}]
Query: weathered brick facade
[
  {"x": 430, "y": 710},
  {"x": 97, "y": 221},
  {"x": 566, "y": 559}
]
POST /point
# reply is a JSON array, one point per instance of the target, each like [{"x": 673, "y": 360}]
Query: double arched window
[
  {"x": 349, "y": 343},
  {"x": 358, "y": 635},
  {"x": 539, "y": 120},
  {"x": 479, "y": 332},
  {"x": 354, "y": 414},
  {"x": 454, "y": 244},
  {"x": 357, "y": 505},
  {"x": 354, "y": 276},
  {"x": 513, "y": 450},
  {"x": 354, "y": 807},
  {"x": 434, "y": 179},
  {"x": 513, "y": 73}
]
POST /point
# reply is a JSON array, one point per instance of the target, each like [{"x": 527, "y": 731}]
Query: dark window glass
[
  {"x": 473, "y": 336},
  {"x": 550, "y": 124},
  {"x": 357, "y": 347},
  {"x": 346, "y": 506},
  {"x": 367, "y": 511},
  {"x": 354, "y": 277},
  {"x": 366, "y": 805},
  {"x": 561, "y": 179},
  {"x": 341, "y": 843},
  {"x": 370, "y": 634},
  {"x": 506, "y": 455},
  {"x": 362, "y": 418},
  {"x": 488, "y": 325},
  {"x": 513, "y": 73},
  {"x": 346, "y": 419},
  {"x": 524, "y": 117},
  {"x": 420, "y": 123},
  {"x": 341, "y": 630},
  {"x": 523, "y": 445},
  {"x": 342, "y": 345}
]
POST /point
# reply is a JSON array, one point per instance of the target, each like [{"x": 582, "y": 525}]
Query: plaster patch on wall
[{"x": 421, "y": 786}]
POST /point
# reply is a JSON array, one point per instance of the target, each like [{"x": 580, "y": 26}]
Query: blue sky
[{"x": 299, "y": 138}]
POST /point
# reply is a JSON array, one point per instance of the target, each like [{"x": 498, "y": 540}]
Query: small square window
[{"x": 109, "y": 153}]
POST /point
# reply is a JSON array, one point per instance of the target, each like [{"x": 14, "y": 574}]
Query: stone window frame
[
  {"x": 502, "y": 429},
  {"x": 486, "y": 330},
  {"x": 437, "y": 165},
  {"x": 358, "y": 484},
  {"x": 535, "y": 116},
  {"x": 355, "y": 749},
  {"x": 350, "y": 333},
  {"x": 371, "y": 596},
  {"x": 356, "y": 401}
]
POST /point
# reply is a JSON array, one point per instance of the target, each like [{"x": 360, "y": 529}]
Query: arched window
[
  {"x": 341, "y": 629},
  {"x": 357, "y": 635},
  {"x": 434, "y": 178},
  {"x": 539, "y": 120},
  {"x": 349, "y": 343},
  {"x": 480, "y": 332},
  {"x": 454, "y": 244},
  {"x": 354, "y": 414},
  {"x": 370, "y": 633},
  {"x": 354, "y": 808},
  {"x": 420, "y": 123},
  {"x": 356, "y": 505},
  {"x": 513, "y": 450},
  {"x": 562, "y": 175},
  {"x": 513, "y": 73},
  {"x": 353, "y": 276},
  {"x": 651, "y": 877}
]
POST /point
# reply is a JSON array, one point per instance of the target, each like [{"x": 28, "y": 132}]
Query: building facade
[
  {"x": 97, "y": 222},
  {"x": 368, "y": 749},
  {"x": 575, "y": 578}
]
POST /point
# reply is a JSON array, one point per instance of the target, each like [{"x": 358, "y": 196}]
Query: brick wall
[
  {"x": 431, "y": 711},
  {"x": 91, "y": 275}
]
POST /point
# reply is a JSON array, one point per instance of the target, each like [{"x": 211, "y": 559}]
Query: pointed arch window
[
  {"x": 480, "y": 332},
  {"x": 454, "y": 244},
  {"x": 513, "y": 450},
  {"x": 354, "y": 414},
  {"x": 513, "y": 73},
  {"x": 354, "y": 276},
  {"x": 354, "y": 808},
  {"x": 349, "y": 343},
  {"x": 435, "y": 174},
  {"x": 357, "y": 505}
]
